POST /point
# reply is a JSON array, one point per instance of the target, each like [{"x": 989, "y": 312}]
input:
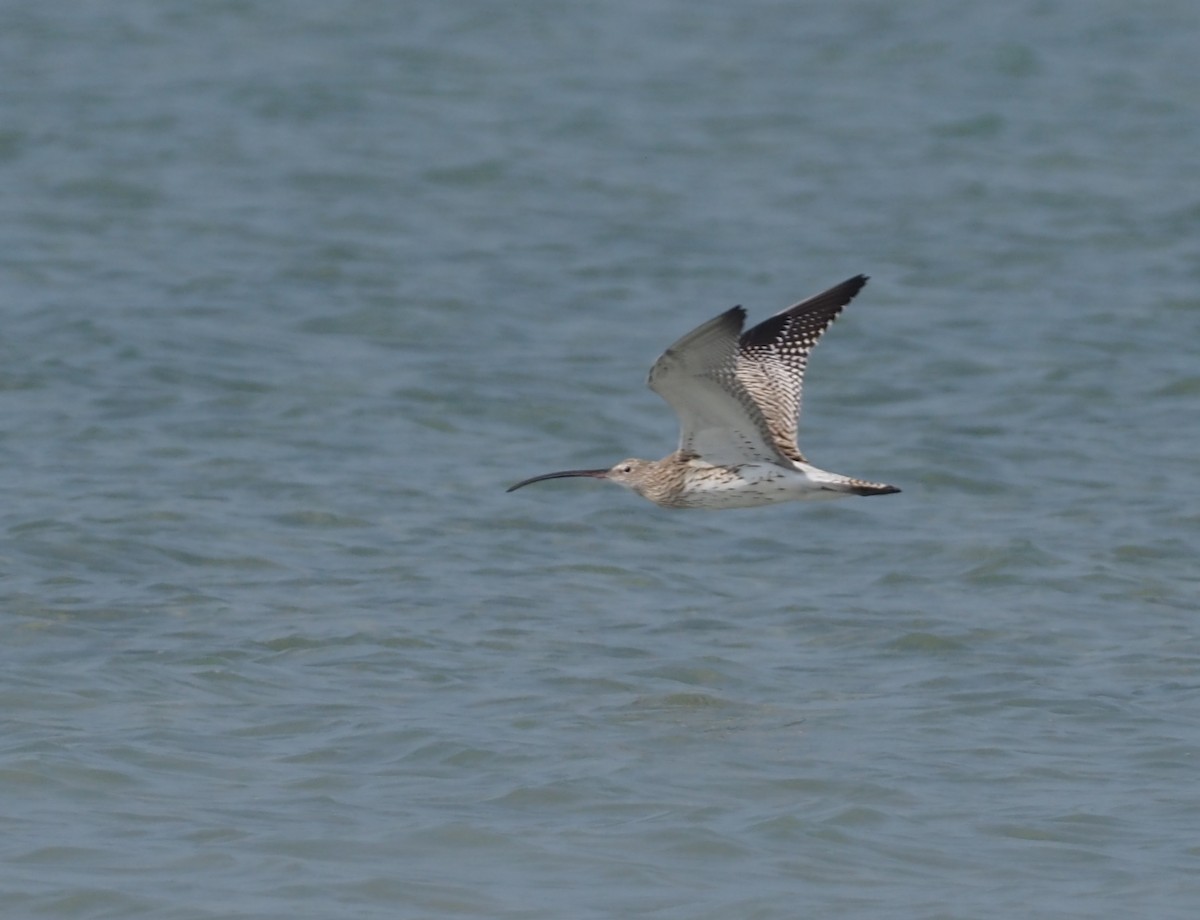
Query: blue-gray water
[{"x": 292, "y": 292}]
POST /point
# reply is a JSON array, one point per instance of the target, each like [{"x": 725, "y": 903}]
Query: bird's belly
[{"x": 748, "y": 486}]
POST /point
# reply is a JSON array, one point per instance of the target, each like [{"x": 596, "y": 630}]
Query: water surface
[{"x": 291, "y": 296}]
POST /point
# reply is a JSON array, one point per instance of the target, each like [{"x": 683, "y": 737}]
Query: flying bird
[{"x": 737, "y": 395}]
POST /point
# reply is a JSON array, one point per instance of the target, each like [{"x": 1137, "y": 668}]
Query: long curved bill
[{"x": 595, "y": 474}]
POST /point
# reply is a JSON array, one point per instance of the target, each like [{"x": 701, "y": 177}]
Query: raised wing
[
  {"x": 738, "y": 394},
  {"x": 718, "y": 418},
  {"x": 773, "y": 355}
]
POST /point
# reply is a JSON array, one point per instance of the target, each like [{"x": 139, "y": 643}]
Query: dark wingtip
[
  {"x": 851, "y": 286},
  {"x": 845, "y": 292},
  {"x": 821, "y": 309}
]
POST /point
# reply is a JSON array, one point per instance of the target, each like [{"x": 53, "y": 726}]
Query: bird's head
[{"x": 631, "y": 473}]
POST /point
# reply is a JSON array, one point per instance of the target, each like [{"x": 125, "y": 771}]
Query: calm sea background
[{"x": 292, "y": 291}]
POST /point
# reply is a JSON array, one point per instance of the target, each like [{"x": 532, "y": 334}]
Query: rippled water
[{"x": 291, "y": 294}]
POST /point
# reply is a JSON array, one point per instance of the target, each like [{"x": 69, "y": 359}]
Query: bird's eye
[{"x": 627, "y": 468}]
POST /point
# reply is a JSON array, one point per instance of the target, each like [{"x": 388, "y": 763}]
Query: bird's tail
[
  {"x": 857, "y": 486},
  {"x": 843, "y": 485}
]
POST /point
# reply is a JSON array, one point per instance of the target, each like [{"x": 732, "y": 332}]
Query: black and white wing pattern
[
  {"x": 738, "y": 394},
  {"x": 773, "y": 356}
]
